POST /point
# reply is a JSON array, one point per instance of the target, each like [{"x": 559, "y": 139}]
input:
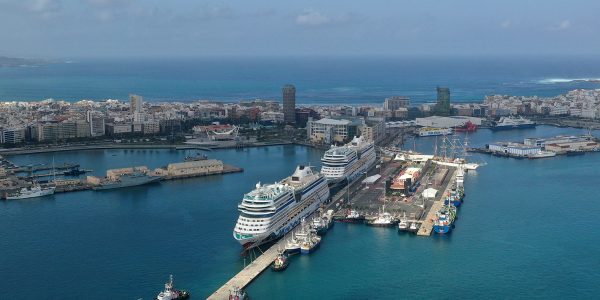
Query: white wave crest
[{"x": 567, "y": 80}]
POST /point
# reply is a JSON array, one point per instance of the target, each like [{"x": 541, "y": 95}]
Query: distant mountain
[{"x": 21, "y": 62}]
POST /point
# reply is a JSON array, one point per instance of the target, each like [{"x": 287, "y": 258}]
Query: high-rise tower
[
  {"x": 289, "y": 103},
  {"x": 442, "y": 107}
]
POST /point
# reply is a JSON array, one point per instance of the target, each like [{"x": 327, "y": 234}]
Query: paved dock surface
[
  {"x": 427, "y": 225},
  {"x": 250, "y": 272}
]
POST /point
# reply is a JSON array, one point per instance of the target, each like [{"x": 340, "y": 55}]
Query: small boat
[
  {"x": 171, "y": 293},
  {"x": 237, "y": 294},
  {"x": 280, "y": 263},
  {"x": 352, "y": 217},
  {"x": 384, "y": 219},
  {"x": 403, "y": 225},
  {"x": 414, "y": 227},
  {"x": 196, "y": 157}
]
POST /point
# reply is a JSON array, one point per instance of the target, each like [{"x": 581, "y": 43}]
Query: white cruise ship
[
  {"x": 270, "y": 211},
  {"x": 348, "y": 161}
]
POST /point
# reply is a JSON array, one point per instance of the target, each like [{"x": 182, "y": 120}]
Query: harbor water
[{"x": 525, "y": 230}]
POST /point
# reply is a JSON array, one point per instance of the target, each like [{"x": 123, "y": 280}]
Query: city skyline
[{"x": 130, "y": 28}]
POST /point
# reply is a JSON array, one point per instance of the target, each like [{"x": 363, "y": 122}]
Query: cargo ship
[
  {"x": 272, "y": 210},
  {"x": 127, "y": 180},
  {"x": 444, "y": 219},
  {"x": 506, "y": 123},
  {"x": 348, "y": 161},
  {"x": 432, "y": 131}
]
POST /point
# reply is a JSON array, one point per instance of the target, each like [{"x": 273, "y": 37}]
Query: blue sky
[{"x": 113, "y": 28}]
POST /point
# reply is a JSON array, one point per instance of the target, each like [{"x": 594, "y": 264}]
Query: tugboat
[
  {"x": 280, "y": 263},
  {"x": 384, "y": 219},
  {"x": 352, "y": 217},
  {"x": 237, "y": 294},
  {"x": 170, "y": 293}
]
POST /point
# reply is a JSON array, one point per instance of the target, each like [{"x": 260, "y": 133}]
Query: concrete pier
[{"x": 427, "y": 225}]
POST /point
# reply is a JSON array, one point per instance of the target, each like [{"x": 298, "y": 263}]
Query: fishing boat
[
  {"x": 414, "y": 227},
  {"x": 383, "y": 219},
  {"x": 444, "y": 219},
  {"x": 281, "y": 262},
  {"x": 171, "y": 293},
  {"x": 237, "y": 293},
  {"x": 310, "y": 243},
  {"x": 352, "y": 217},
  {"x": 403, "y": 224},
  {"x": 320, "y": 224},
  {"x": 292, "y": 245}
]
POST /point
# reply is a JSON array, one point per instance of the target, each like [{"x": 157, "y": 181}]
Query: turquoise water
[{"x": 526, "y": 230}]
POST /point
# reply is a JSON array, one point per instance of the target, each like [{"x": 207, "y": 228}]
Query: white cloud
[
  {"x": 564, "y": 24},
  {"x": 43, "y": 6},
  {"x": 312, "y": 18}
]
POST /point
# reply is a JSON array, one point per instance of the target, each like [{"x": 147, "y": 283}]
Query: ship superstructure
[
  {"x": 348, "y": 161},
  {"x": 270, "y": 211},
  {"x": 506, "y": 123}
]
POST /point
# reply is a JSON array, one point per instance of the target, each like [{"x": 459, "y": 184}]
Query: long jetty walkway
[
  {"x": 255, "y": 268},
  {"x": 427, "y": 224}
]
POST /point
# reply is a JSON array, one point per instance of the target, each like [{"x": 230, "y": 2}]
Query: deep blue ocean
[
  {"x": 525, "y": 230},
  {"x": 318, "y": 80}
]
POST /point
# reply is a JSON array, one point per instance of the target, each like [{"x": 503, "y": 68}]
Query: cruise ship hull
[{"x": 309, "y": 202}]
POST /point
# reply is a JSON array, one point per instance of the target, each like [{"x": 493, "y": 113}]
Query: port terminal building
[
  {"x": 447, "y": 122},
  {"x": 564, "y": 143},
  {"x": 514, "y": 149}
]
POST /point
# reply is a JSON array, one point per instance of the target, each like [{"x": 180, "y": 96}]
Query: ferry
[
  {"x": 270, "y": 211},
  {"x": 432, "y": 131},
  {"x": 506, "y": 123},
  {"x": 170, "y": 293},
  {"x": 34, "y": 191},
  {"x": 348, "y": 161}
]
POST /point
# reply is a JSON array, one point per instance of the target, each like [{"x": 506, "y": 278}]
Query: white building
[{"x": 514, "y": 149}]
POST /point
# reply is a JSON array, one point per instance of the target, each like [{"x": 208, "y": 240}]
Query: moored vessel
[
  {"x": 444, "y": 219},
  {"x": 237, "y": 293},
  {"x": 348, "y": 161},
  {"x": 270, "y": 211},
  {"x": 383, "y": 219},
  {"x": 281, "y": 262},
  {"x": 32, "y": 192},
  {"x": 352, "y": 216},
  {"x": 170, "y": 293},
  {"x": 128, "y": 180},
  {"x": 403, "y": 224},
  {"x": 432, "y": 131},
  {"x": 510, "y": 122},
  {"x": 310, "y": 243},
  {"x": 541, "y": 154}
]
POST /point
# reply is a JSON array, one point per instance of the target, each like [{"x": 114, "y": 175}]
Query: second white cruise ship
[
  {"x": 348, "y": 161},
  {"x": 270, "y": 211}
]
